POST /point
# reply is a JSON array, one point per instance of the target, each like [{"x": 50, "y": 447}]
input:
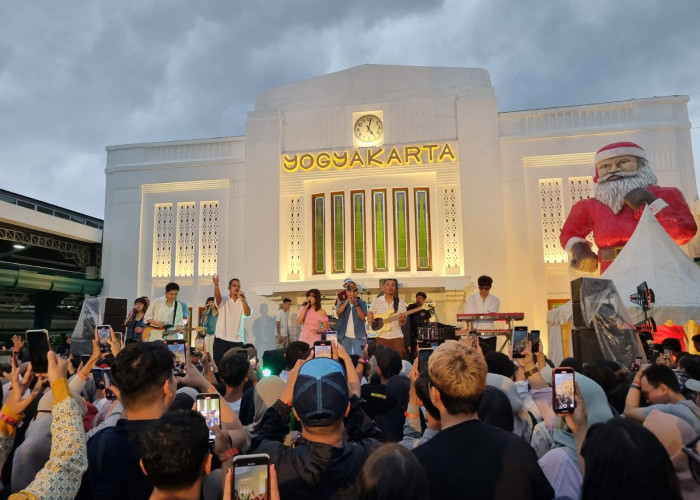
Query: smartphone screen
[
  {"x": 636, "y": 364},
  {"x": 251, "y": 475},
  {"x": 333, "y": 337},
  {"x": 5, "y": 361},
  {"x": 103, "y": 334},
  {"x": 563, "y": 390},
  {"x": 199, "y": 344},
  {"x": 38, "y": 343},
  {"x": 322, "y": 349},
  {"x": 535, "y": 341},
  {"x": 85, "y": 358},
  {"x": 120, "y": 337},
  {"x": 519, "y": 341},
  {"x": 109, "y": 382},
  {"x": 177, "y": 347},
  {"x": 423, "y": 355},
  {"x": 208, "y": 407}
]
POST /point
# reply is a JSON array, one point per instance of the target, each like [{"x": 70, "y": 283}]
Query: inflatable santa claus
[{"x": 625, "y": 185}]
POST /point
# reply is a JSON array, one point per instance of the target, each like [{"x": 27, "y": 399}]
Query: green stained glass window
[
  {"x": 319, "y": 256},
  {"x": 358, "y": 231},
  {"x": 422, "y": 201},
  {"x": 379, "y": 229},
  {"x": 338, "y": 234},
  {"x": 401, "y": 245}
]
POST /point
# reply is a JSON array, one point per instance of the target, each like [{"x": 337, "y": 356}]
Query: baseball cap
[{"x": 320, "y": 392}]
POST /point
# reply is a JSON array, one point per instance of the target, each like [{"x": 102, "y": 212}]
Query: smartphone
[
  {"x": 120, "y": 337},
  {"x": 333, "y": 337},
  {"x": 322, "y": 349},
  {"x": 535, "y": 341},
  {"x": 199, "y": 344},
  {"x": 474, "y": 339},
  {"x": 39, "y": 346},
  {"x": 251, "y": 474},
  {"x": 423, "y": 355},
  {"x": 85, "y": 358},
  {"x": 109, "y": 382},
  {"x": 519, "y": 341},
  {"x": 636, "y": 364},
  {"x": 563, "y": 390},
  {"x": 103, "y": 334},
  {"x": 208, "y": 407},
  {"x": 5, "y": 361},
  {"x": 177, "y": 347}
]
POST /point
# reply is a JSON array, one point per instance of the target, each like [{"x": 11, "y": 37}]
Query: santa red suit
[{"x": 612, "y": 230}]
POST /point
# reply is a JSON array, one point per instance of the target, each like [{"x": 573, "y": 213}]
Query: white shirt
[
  {"x": 350, "y": 329},
  {"x": 283, "y": 319},
  {"x": 477, "y": 305},
  {"x": 236, "y": 406},
  {"x": 231, "y": 323},
  {"x": 380, "y": 306},
  {"x": 160, "y": 311}
]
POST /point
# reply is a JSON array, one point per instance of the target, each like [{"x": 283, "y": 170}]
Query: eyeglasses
[{"x": 487, "y": 287}]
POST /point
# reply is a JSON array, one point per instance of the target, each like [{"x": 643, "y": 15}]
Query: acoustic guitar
[{"x": 382, "y": 322}]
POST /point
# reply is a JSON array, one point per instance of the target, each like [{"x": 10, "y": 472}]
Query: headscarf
[
  {"x": 495, "y": 409},
  {"x": 267, "y": 391},
  {"x": 522, "y": 423}
]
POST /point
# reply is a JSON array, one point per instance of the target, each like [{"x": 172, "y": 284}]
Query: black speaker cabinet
[
  {"x": 115, "y": 313},
  {"x": 586, "y": 346}
]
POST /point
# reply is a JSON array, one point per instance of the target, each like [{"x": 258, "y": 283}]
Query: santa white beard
[{"x": 612, "y": 192}]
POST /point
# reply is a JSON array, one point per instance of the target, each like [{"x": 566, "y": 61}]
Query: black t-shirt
[
  {"x": 477, "y": 460},
  {"x": 417, "y": 319}
]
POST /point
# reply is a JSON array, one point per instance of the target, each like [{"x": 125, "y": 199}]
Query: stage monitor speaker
[
  {"x": 274, "y": 361},
  {"x": 583, "y": 287},
  {"x": 578, "y": 315},
  {"x": 586, "y": 346},
  {"x": 115, "y": 313}
]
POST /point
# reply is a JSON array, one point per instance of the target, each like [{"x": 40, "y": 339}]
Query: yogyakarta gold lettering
[{"x": 411, "y": 154}]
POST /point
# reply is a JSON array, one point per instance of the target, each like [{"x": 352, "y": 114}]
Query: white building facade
[{"x": 369, "y": 173}]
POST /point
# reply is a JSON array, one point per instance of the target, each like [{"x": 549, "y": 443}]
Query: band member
[
  {"x": 230, "y": 327},
  {"x": 388, "y": 301},
  {"x": 415, "y": 321},
  {"x": 351, "y": 313},
  {"x": 482, "y": 302},
  {"x": 166, "y": 313}
]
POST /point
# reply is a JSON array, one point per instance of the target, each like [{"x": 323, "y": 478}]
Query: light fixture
[{"x": 18, "y": 246}]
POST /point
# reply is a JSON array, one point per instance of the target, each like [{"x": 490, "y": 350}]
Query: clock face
[{"x": 368, "y": 128}]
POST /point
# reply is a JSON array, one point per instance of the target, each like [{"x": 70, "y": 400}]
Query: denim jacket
[{"x": 360, "y": 333}]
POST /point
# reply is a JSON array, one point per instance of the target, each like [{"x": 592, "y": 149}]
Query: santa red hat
[{"x": 618, "y": 149}]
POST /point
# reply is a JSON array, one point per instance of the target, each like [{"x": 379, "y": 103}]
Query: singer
[
  {"x": 233, "y": 310},
  {"x": 135, "y": 323},
  {"x": 314, "y": 319}
]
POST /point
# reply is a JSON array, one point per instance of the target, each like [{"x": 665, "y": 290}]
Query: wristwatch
[{"x": 531, "y": 372}]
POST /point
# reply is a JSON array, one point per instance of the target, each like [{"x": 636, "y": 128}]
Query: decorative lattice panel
[
  {"x": 186, "y": 239},
  {"x": 449, "y": 210},
  {"x": 162, "y": 239},
  {"x": 294, "y": 243},
  {"x": 552, "y": 216},
  {"x": 208, "y": 237}
]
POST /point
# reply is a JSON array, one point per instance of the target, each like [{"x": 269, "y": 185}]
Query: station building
[{"x": 375, "y": 172}]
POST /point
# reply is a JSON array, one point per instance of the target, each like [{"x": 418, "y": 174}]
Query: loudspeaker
[
  {"x": 274, "y": 361},
  {"x": 586, "y": 346},
  {"x": 115, "y": 313},
  {"x": 583, "y": 287},
  {"x": 578, "y": 315}
]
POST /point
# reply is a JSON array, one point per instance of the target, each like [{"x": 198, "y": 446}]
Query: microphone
[{"x": 306, "y": 303}]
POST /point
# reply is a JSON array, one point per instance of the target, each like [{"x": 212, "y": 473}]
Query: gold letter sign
[{"x": 423, "y": 154}]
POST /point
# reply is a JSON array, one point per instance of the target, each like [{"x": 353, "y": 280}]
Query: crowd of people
[{"x": 367, "y": 422}]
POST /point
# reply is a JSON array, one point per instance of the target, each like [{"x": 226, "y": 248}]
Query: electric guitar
[{"x": 382, "y": 322}]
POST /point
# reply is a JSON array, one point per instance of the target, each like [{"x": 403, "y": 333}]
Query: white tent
[{"x": 652, "y": 256}]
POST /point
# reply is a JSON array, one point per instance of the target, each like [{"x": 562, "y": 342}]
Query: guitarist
[
  {"x": 166, "y": 313},
  {"x": 386, "y": 301}
]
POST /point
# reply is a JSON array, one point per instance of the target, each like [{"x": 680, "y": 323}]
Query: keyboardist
[{"x": 483, "y": 302}]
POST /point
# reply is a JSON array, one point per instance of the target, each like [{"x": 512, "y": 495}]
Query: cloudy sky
[{"x": 78, "y": 76}]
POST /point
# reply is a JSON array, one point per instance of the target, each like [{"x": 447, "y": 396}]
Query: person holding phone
[
  {"x": 233, "y": 311},
  {"x": 351, "y": 313},
  {"x": 321, "y": 393},
  {"x": 61, "y": 475}
]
